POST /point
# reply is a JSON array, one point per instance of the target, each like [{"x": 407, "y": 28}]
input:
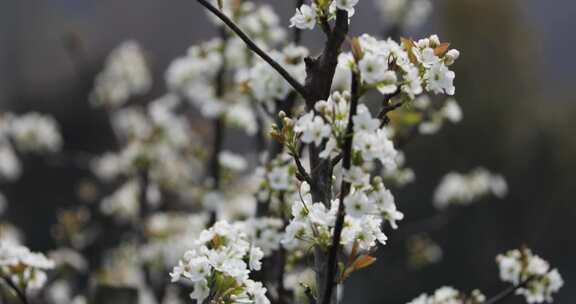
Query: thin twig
[
  {"x": 19, "y": 293},
  {"x": 504, "y": 294},
  {"x": 336, "y": 159},
  {"x": 387, "y": 108},
  {"x": 301, "y": 170},
  {"x": 255, "y": 48}
]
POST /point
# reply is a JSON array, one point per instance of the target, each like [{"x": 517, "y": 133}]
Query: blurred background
[{"x": 515, "y": 82}]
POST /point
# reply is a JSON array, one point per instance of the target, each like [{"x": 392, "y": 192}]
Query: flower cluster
[
  {"x": 432, "y": 118},
  {"x": 313, "y": 223},
  {"x": 535, "y": 280},
  {"x": 329, "y": 122},
  {"x": 422, "y": 251},
  {"x": 412, "y": 67},
  {"x": 31, "y": 132},
  {"x": 307, "y": 16},
  {"x": 219, "y": 264},
  {"x": 125, "y": 75},
  {"x": 449, "y": 295},
  {"x": 155, "y": 139},
  {"x": 227, "y": 61},
  {"x": 464, "y": 189},
  {"x": 124, "y": 203},
  {"x": 35, "y": 132},
  {"x": 25, "y": 268},
  {"x": 258, "y": 21}
]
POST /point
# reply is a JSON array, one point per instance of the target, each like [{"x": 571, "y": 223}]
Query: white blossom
[
  {"x": 35, "y": 132},
  {"x": 439, "y": 79},
  {"x": 305, "y": 17},
  {"x": 465, "y": 189},
  {"x": 313, "y": 128},
  {"x": 125, "y": 75},
  {"x": 24, "y": 267},
  {"x": 523, "y": 267}
]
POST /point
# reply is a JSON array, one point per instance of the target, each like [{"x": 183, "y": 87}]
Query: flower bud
[
  {"x": 434, "y": 41},
  {"x": 423, "y": 43},
  {"x": 288, "y": 122},
  {"x": 451, "y": 56}
]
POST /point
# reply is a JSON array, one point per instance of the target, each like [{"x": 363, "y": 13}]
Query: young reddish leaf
[
  {"x": 354, "y": 250},
  {"x": 363, "y": 262},
  {"x": 441, "y": 49}
]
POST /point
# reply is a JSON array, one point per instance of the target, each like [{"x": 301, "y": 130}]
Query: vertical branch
[
  {"x": 215, "y": 160},
  {"x": 320, "y": 73},
  {"x": 219, "y": 124},
  {"x": 143, "y": 184},
  {"x": 332, "y": 266},
  {"x": 283, "y": 296},
  {"x": 319, "y": 76},
  {"x": 144, "y": 212}
]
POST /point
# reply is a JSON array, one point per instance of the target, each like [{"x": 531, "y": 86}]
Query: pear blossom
[
  {"x": 35, "y": 132},
  {"x": 357, "y": 204},
  {"x": 439, "y": 79},
  {"x": 125, "y": 75},
  {"x": 363, "y": 120},
  {"x": 347, "y": 5},
  {"x": 279, "y": 178},
  {"x": 218, "y": 255},
  {"x": 313, "y": 128},
  {"x": 533, "y": 276},
  {"x": 373, "y": 68},
  {"x": 25, "y": 268},
  {"x": 305, "y": 17},
  {"x": 465, "y": 189}
]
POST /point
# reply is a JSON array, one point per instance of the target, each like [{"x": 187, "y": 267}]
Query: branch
[
  {"x": 504, "y": 294},
  {"x": 301, "y": 170},
  {"x": 320, "y": 71},
  {"x": 252, "y": 46},
  {"x": 19, "y": 293},
  {"x": 336, "y": 160},
  {"x": 346, "y": 164},
  {"x": 219, "y": 123},
  {"x": 387, "y": 108}
]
